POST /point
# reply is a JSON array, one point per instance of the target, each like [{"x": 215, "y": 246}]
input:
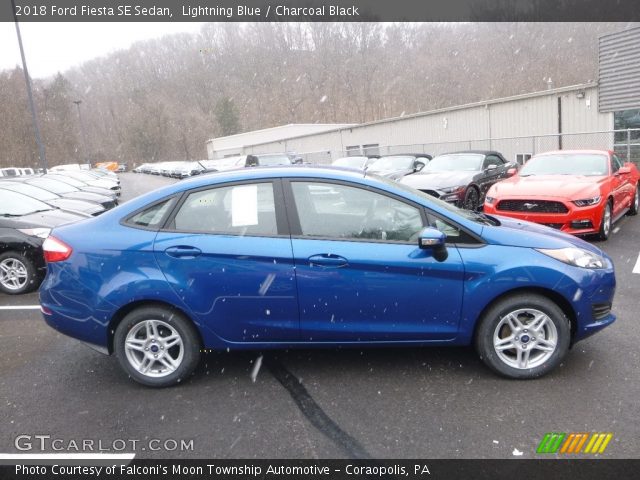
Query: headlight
[
  {"x": 575, "y": 256},
  {"x": 587, "y": 202},
  {"x": 453, "y": 189},
  {"x": 36, "y": 232},
  {"x": 489, "y": 200}
]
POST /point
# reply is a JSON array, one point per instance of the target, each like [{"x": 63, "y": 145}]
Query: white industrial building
[{"x": 578, "y": 116}]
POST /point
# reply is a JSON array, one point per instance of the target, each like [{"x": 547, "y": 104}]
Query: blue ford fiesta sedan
[{"x": 298, "y": 256}]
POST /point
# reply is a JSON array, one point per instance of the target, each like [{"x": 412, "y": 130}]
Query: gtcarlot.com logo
[
  {"x": 43, "y": 443},
  {"x": 573, "y": 443}
]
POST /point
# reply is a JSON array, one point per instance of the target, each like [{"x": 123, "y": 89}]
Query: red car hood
[{"x": 573, "y": 187}]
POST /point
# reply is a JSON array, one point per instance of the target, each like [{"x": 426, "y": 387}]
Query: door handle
[
  {"x": 328, "y": 260},
  {"x": 183, "y": 251}
]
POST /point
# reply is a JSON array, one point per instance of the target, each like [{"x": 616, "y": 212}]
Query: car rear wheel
[
  {"x": 472, "y": 199},
  {"x": 156, "y": 346},
  {"x": 605, "y": 223},
  {"x": 18, "y": 274},
  {"x": 634, "y": 203},
  {"x": 523, "y": 336}
]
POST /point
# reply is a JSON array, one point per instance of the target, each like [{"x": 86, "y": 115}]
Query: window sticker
[{"x": 244, "y": 205}]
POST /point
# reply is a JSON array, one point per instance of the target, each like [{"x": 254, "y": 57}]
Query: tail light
[{"x": 55, "y": 250}]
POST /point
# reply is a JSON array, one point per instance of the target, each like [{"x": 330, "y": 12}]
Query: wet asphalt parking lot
[{"x": 358, "y": 403}]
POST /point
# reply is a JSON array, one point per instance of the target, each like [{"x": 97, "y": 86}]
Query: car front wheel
[
  {"x": 156, "y": 346},
  {"x": 634, "y": 203},
  {"x": 471, "y": 199},
  {"x": 605, "y": 224},
  {"x": 523, "y": 336}
]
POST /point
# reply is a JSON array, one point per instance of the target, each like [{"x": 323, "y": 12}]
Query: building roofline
[
  {"x": 522, "y": 96},
  {"x": 339, "y": 126}
]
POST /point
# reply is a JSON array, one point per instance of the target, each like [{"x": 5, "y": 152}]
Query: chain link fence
[{"x": 625, "y": 143}]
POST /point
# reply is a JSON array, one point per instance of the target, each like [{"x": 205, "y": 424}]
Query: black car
[
  {"x": 24, "y": 224},
  {"x": 397, "y": 166},
  {"x": 462, "y": 178},
  {"x": 53, "y": 199}
]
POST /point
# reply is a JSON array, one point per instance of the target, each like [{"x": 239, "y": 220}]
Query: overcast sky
[{"x": 53, "y": 47}]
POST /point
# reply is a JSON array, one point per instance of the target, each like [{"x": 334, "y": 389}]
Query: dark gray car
[{"x": 462, "y": 178}]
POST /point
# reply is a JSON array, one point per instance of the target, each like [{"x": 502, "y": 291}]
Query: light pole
[
  {"x": 84, "y": 140},
  {"x": 27, "y": 79}
]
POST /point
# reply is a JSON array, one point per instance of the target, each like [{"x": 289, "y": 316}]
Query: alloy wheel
[
  {"x": 525, "y": 338},
  {"x": 154, "y": 348},
  {"x": 13, "y": 274}
]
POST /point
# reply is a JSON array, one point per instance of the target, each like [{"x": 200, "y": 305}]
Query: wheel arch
[
  {"x": 123, "y": 311},
  {"x": 552, "y": 295}
]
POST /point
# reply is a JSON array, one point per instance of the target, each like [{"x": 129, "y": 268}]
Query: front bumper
[{"x": 576, "y": 220}]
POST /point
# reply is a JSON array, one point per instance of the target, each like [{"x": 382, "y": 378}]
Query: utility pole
[
  {"x": 84, "y": 139},
  {"x": 27, "y": 79}
]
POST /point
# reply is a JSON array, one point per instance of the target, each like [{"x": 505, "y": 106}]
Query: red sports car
[{"x": 576, "y": 191}]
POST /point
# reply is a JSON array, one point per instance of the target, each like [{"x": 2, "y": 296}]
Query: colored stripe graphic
[
  {"x": 572, "y": 443},
  {"x": 551, "y": 442}
]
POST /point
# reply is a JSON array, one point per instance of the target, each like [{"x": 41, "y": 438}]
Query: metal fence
[{"x": 626, "y": 144}]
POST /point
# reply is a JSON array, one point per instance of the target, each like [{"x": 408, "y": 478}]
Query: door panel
[
  {"x": 359, "y": 271},
  {"x": 379, "y": 292},
  {"x": 241, "y": 288},
  {"x": 227, "y": 257}
]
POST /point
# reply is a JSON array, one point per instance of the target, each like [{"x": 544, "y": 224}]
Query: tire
[
  {"x": 18, "y": 274},
  {"x": 471, "y": 199},
  {"x": 633, "y": 210},
  {"x": 511, "y": 322},
  {"x": 157, "y": 346},
  {"x": 606, "y": 222}
]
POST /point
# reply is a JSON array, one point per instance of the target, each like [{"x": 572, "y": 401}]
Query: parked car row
[
  {"x": 30, "y": 206},
  {"x": 16, "y": 172},
  {"x": 577, "y": 191},
  {"x": 189, "y": 169}
]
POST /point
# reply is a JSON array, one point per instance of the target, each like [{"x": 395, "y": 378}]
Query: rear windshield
[
  {"x": 53, "y": 185},
  {"x": 26, "y": 189},
  {"x": 15, "y": 204}
]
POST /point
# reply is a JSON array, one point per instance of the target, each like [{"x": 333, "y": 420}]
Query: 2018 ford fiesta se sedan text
[{"x": 297, "y": 256}]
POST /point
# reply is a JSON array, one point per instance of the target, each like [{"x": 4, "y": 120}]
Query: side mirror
[
  {"x": 511, "y": 171},
  {"x": 432, "y": 239},
  {"x": 624, "y": 170},
  {"x": 418, "y": 165}
]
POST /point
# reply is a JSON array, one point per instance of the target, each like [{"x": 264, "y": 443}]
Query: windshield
[
  {"x": 351, "y": 162},
  {"x": 392, "y": 163},
  {"x": 271, "y": 160},
  {"x": 452, "y": 162},
  {"x": 30, "y": 190},
  {"x": 53, "y": 185},
  {"x": 16, "y": 204},
  {"x": 566, "y": 164}
]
